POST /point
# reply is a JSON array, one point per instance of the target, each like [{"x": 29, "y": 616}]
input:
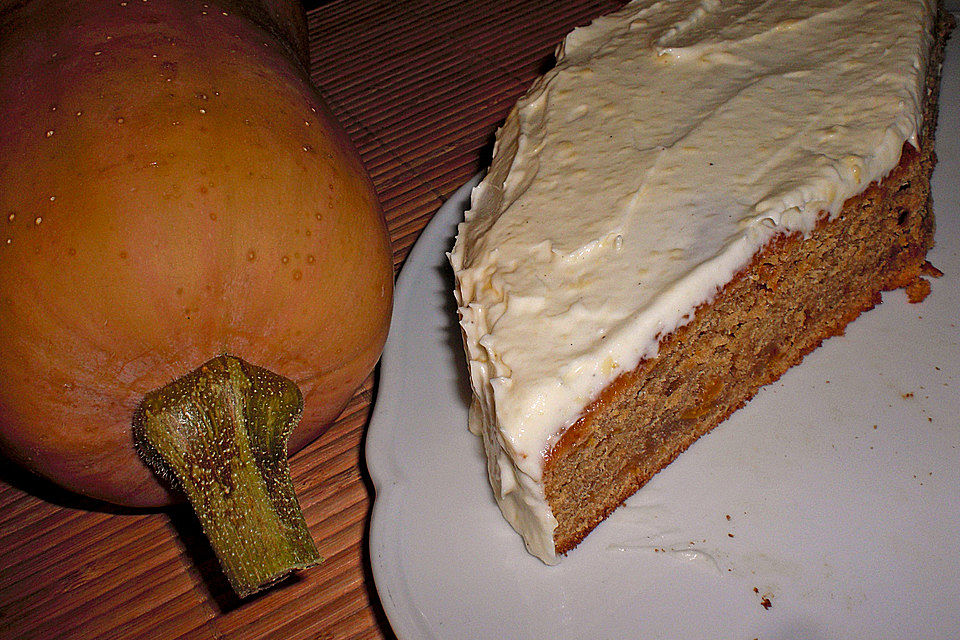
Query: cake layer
[
  {"x": 795, "y": 293},
  {"x": 673, "y": 143}
]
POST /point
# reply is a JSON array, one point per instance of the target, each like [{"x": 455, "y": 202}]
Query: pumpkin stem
[{"x": 220, "y": 434}]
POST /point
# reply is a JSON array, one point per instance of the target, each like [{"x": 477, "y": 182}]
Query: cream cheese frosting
[{"x": 669, "y": 144}]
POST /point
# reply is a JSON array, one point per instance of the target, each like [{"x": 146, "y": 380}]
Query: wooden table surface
[{"x": 421, "y": 87}]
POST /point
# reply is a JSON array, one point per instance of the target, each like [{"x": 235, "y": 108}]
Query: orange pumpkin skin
[{"x": 171, "y": 189}]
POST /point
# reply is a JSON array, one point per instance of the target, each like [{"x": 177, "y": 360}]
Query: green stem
[{"x": 220, "y": 434}]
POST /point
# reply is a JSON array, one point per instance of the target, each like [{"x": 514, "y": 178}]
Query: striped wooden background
[{"x": 421, "y": 87}]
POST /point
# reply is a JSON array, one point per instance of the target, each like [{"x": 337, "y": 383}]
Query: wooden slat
[{"x": 421, "y": 87}]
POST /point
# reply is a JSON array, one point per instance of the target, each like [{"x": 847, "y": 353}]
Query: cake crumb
[
  {"x": 764, "y": 599},
  {"x": 931, "y": 271},
  {"x": 917, "y": 291}
]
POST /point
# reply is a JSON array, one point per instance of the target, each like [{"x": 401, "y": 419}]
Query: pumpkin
[{"x": 172, "y": 190}]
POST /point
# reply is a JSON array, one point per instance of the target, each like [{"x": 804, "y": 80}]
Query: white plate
[{"x": 833, "y": 497}]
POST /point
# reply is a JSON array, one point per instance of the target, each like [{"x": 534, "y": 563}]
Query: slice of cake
[{"x": 693, "y": 198}]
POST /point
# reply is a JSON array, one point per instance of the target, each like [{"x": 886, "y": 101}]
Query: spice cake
[{"x": 697, "y": 195}]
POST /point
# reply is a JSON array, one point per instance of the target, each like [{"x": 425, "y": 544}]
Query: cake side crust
[{"x": 793, "y": 295}]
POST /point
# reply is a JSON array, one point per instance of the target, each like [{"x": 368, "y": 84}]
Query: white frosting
[{"x": 671, "y": 142}]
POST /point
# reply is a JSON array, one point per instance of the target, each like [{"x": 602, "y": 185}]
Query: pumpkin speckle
[
  {"x": 310, "y": 258},
  {"x": 285, "y": 259},
  {"x": 37, "y": 220},
  {"x": 297, "y": 274},
  {"x": 11, "y": 216},
  {"x": 251, "y": 255},
  {"x": 120, "y": 120}
]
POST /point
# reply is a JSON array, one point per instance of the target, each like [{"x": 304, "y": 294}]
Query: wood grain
[{"x": 421, "y": 88}]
